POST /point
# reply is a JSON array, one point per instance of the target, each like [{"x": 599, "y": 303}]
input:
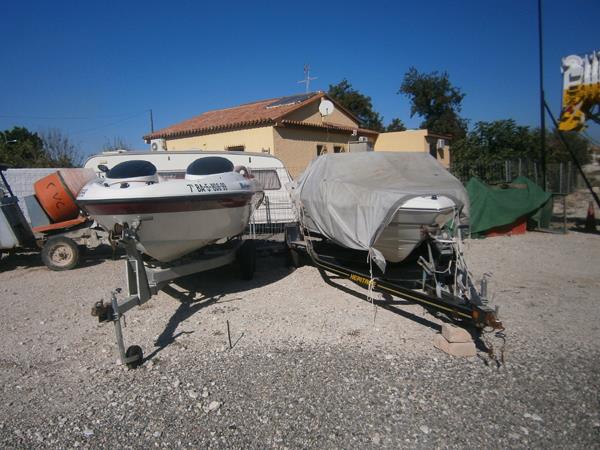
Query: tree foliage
[
  {"x": 506, "y": 140},
  {"x": 60, "y": 150},
  {"x": 358, "y": 104},
  {"x": 495, "y": 141},
  {"x": 556, "y": 151},
  {"x": 433, "y": 98},
  {"x": 396, "y": 125},
  {"x": 117, "y": 143},
  {"x": 20, "y": 147}
]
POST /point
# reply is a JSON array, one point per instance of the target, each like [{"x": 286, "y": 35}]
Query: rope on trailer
[{"x": 370, "y": 296}]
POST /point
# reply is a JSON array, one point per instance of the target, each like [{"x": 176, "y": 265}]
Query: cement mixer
[{"x": 56, "y": 225}]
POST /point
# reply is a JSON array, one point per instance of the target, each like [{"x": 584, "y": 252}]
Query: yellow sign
[
  {"x": 581, "y": 90},
  {"x": 361, "y": 280}
]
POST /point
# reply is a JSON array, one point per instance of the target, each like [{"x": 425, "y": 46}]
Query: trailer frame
[
  {"x": 432, "y": 294},
  {"x": 145, "y": 280}
]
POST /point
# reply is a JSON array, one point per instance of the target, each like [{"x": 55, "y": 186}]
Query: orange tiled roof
[
  {"x": 262, "y": 112},
  {"x": 328, "y": 125}
]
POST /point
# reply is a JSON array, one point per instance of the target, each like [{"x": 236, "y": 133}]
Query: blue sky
[{"x": 94, "y": 69}]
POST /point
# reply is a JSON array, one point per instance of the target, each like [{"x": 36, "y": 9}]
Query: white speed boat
[{"x": 214, "y": 201}]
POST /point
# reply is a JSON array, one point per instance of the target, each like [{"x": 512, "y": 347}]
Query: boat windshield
[
  {"x": 209, "y": 166},
  {"x": 132, "y": 169}
]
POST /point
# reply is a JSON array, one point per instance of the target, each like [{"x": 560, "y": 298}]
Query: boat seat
[{"x": 208, "y": 166}]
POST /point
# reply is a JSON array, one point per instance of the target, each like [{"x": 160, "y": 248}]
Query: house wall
[
  {"x": 402, "y": 141},
  {"x": 310, "y": 113},
  {"x": 441, "y": 154},
  {"x": 412, "y": 141},
  {"x": 253, "y": 139},
  {"x": 298, "y": 147}
]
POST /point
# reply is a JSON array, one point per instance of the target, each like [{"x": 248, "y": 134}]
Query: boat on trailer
[
  {"x": 403, "y": 212},
  {"x": 213, "y": 201},
  {"x": 187, "y": 225}
]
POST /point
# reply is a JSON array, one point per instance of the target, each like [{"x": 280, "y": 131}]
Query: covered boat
[
  {"x": 174, "y": 217},
  {"x": 385, "y": 203}
]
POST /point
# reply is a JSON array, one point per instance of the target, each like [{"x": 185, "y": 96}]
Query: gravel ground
[{"x": 312, "y": 365}]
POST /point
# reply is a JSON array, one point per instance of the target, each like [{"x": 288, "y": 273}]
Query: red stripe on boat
[{"x": 163, "y": 205}]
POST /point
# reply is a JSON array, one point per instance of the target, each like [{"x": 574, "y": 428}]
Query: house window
[
  {"x": 321, "y": 150},
  {"x": 268, "y": 178},
  {"x": 236, "y": 148},
  {"x": 338, "y": 149}
]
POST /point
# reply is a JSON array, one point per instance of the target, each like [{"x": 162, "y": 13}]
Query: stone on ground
[
  {"x": 452, "y": 333},
  {"x": 463, "y": 349}
]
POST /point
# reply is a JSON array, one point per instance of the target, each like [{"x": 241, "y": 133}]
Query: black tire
[
  {"x": 137, "y": 352},
  {"x": 60, "y": 253},
  {"x": 247, "y": 259}
]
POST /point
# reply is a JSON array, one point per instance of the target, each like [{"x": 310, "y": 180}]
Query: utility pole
[
  {"x": 307, "y": 78},
  {"x": 542, "y": 99},
  {"x": 151, "y": 122}
]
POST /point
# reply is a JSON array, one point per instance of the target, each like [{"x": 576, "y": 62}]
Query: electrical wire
[
  {"x": 110, "y": 116},
  {"x": 100, "y": 127}
]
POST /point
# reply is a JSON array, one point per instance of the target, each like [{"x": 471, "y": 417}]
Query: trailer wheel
[
  {"x": 60, "y": 253},
  {"x": 247, "y": 259},
  {"x": 136, "y": 352}
]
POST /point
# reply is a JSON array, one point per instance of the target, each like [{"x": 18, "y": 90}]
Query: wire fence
[{"x": 561, "y": 178}]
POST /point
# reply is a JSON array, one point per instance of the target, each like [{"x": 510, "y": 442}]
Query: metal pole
[
  {"x": 560, "y": 178},
  {"x": 6, "y": 183},
  {"x": 542, "y": 100},
  {"x": 151, "y": 122},
  {"x": 573, "y": 157},
  {"x": 229, "y": 336}
]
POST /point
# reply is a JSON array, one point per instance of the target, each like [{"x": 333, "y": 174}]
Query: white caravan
[{"x": 268, "y": 170}]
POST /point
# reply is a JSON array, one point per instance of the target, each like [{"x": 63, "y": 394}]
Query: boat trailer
[
  {"x": 442, "y": 283},
  {"x": 144, "y": 280}
]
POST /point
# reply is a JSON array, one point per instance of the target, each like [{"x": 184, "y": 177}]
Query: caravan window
[{"x": 268, "y": 178}]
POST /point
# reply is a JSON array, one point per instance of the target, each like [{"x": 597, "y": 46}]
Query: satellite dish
[{"x": 326, "y": 107}]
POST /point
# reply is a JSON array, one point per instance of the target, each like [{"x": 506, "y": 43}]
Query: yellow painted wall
[
  {"x": 297, "y": 147},
  {"x": 254, "y": 140},
  {"x": 442, "y": 155},
  {"x": 402, "y": 141},
  {"x": 411, "y": 141},
  {"x": 310, "y": 113}
]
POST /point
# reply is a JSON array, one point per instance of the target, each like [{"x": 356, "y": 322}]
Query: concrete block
[
  {"x": 463, "y": 349},
  {"x": 452, "y": 333}
]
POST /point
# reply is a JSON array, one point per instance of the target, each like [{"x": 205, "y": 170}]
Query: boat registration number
[{"x": 207, "y": 187}]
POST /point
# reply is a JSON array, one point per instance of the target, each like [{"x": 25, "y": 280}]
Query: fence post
[
  {"x": 560, "y": 178},
  {"x": 569, "y": 180}
]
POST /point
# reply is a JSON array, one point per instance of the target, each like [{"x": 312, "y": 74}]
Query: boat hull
[
  {"x": 174, "y": 218},
  {"x": 405, "y": 232},
  {"x": 166, "y": 236}
]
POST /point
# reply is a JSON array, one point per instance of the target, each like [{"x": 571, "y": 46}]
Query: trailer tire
[
  {"x": 60, "y": 253},
  {"x": 294, "y": 258},
  {"x": 247, "y": 259},
  {"x": 136, "y": 352}
]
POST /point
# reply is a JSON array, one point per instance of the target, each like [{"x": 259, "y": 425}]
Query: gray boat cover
[{"x": 351, "y": 197}]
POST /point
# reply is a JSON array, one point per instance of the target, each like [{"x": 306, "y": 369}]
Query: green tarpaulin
[{"x": 494, "y": 206}]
